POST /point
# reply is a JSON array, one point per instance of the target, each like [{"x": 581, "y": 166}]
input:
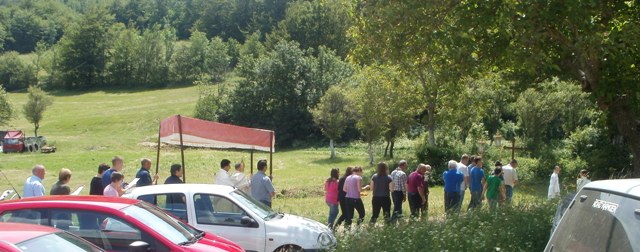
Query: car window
[
  {"x": 252, "y": 204},
  {"x": 59, "y": 241},
  {"x": 217, "y": 210},
  {"x": 173, "y": 203},
  {"x": 29, "y": 216},
  {"x": 160, "y": 221},
  {"x": 598, "y": 221}
]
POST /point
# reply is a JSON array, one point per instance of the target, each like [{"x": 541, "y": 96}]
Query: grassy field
[{"x": 90, "y": 128}]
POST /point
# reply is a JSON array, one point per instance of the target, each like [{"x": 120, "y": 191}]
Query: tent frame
[{"x": 184, "y": 178}]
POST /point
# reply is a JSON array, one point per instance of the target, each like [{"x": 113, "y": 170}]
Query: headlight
[{"x": 326, "y": 239}]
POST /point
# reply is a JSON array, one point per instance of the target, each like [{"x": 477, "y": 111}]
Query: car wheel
[{"x": 289, "y": 248}]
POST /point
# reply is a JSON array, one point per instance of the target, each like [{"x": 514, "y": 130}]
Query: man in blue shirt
[
  {"x": 143, "y": 175},
  {"x": 452, "y": 179},
  {"x": 33, "y": 185},
  {"x": 261, "y": 186},
  {"x": 117, "y": 164},
  {"x": 476, "y": 183}
]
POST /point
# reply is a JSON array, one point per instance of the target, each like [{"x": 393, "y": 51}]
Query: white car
[
  {"x": 603, "y": 216},
  {"x": 230, "y": 213}
]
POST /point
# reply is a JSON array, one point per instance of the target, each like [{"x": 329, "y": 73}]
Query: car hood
[
  {"x": 211, "y": 240},
  {"x": 305, "y": 231}
]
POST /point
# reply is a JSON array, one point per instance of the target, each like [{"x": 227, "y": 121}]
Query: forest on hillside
[{"x": 560, "y": 80}]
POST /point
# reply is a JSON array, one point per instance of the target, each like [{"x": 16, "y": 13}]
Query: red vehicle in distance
[
  {"x": 15, "y": 237},
  {"x": 114, "y": 224}
]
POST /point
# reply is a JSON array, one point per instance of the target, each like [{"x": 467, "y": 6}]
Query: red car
[
  {"x": 26, "y": 237},
  {"x": 113, "y": 223}
]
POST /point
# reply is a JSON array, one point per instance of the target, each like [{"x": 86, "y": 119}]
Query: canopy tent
[
  {"x": 13, "y": 134},
  {"x": 186, "y": 131}
]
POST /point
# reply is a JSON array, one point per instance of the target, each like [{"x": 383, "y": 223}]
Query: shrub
[
  {"x": 524, "y": 227},
  {"x": 437, "y": 157},
  {"x": 14, "y": 73}
]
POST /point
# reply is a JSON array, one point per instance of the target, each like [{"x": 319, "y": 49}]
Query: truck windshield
[
  {"x": 11, "y": 141},
  {"x": 598, "y": 221},
  {"x": 253, "y": 205}
]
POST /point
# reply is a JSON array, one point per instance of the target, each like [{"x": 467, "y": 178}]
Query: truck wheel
[{"x": 36, "y": 148}]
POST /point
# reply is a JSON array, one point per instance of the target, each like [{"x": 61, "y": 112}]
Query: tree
[
  {"x": 6, "y": 111},
  {"x": 593, "y": 43},
  {"x": 318, "y": 23},
  {"x": 37, "y": 102},
  {"x": 333, "y": 114},
  {"x": 83, "y": 51},
  {"x": 14, "y": 73},
  {"x": 122, "y": 56},
  {"x": 418, "y": 38},
  {"x": 367, "y": 100}
]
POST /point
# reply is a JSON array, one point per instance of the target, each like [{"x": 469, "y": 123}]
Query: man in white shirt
[
  {"x": 510, "y": 178},
  {"x": 222, "y": 176},
  {"x": 554, "y": 184},
  {"x": 462, "y": 168},
  {"x": 33, "y": 185},
  {"x": 239, "y": 179}
]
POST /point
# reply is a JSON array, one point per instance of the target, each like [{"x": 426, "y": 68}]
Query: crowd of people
[
  {"x": 343, "y": 194},
  {"x": 109, "y": 181}
]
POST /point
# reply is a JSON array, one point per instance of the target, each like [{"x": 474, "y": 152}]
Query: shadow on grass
[
  {"x": 335, "y": 160},
  {"x": 113, "y": 90}
]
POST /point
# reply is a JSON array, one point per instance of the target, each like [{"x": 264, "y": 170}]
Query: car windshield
[
  {"x": 253, "y": 205},
  {"x": 598, "y": 221},
  {"x": 60, "y": 241},
  {"x": 160, "y": 222}
]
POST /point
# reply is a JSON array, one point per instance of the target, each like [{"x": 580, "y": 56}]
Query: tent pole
[
  {"x": 251, "y": 162},
  {"x": 184, "y": 169},
  {"x": 271, "y": 156},
  {"x": 158, "y": 153}
]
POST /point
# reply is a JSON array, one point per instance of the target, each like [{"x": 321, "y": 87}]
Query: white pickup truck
[{"x": 230, "y": 213}]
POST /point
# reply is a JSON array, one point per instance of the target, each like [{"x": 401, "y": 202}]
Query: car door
[{"x": 222, "y": 216}]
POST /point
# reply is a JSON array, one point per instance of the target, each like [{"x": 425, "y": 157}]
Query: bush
[
  {"x": 524, "y": 227},
  {"x": 437, "y": 157},
  {"x": 14, "y": 73}
]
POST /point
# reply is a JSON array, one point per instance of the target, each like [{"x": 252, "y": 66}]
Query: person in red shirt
[
  {"x": 331, "y": 195},
  {"x": 415, "y": 190}
]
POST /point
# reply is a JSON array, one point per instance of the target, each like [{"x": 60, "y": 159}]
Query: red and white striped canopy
[{"x": 201, "y": 133}]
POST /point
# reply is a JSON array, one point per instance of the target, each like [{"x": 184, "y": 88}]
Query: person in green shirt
[{"x": 494, "y": 188}]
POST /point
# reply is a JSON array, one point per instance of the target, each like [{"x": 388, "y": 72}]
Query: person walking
[
  {"x": 342, "y": 196},
  {"x": 494, "y": 188},
  {"x": 95, "y": 187},
  {"x": 399, "y": 194},
  {"x": 62, "y": 186},
  {"x": 415, "y": 190},
  {"x": 510, "y": 178},
  {"x": 554, "y": 183},
  {"x": 353, "y": 187},
  {"x": 331, "y": 195},
  {"x": 476, "y": 184},
  {"x": 452, "y": 179},
  {"x": 462, "y": 168},
  {"x": 425, "y": 206},
  {"x": 381, "y": 184},
  {"x": 33, "y": 185},
  {"x": 176, "y": 173},
  {"x": 583, "y": 179},
  {"x": 261, "y": 186}
]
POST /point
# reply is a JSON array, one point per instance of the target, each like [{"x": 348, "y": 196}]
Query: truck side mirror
[
  {"x": 139, "y": 246},
  {"x": 248, "y": 221}
]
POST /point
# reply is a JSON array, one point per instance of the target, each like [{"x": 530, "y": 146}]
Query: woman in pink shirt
[
  {"x": 115, "y": 188},
  {"x": 331, "y": 195},
  {"x": 353, "y": 187}
]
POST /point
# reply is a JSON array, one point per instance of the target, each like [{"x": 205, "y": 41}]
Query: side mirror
[
  {"x": 248, "y": 221},
  {"x": 139, "y": 246}
]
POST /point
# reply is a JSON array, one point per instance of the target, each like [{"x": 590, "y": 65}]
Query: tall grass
[{"x": 522, "y": 227}]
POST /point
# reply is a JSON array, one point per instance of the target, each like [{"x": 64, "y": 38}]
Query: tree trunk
[
  {"x": 391, "y": 148},
  {"x": 36, "y": 126},
  {"x": 629, "y": 127},
  {"x": 333, "y": 150},
  {"x": 431, "y": 124},
  {"x": 385, "y": 149},
  {"x": 370, "y": 151}
]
